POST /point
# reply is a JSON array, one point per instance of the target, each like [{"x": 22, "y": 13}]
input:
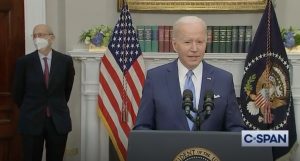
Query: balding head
[
  {"x": 44, "y": 28},
  {"x": 187, "y": 20}
]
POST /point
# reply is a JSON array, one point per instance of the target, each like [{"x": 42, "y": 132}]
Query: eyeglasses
[{"x": 40, "y": 35}]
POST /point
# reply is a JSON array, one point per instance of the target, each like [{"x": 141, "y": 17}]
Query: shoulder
[
  {"x": 27, "y": 58},
  {"x": 61, "y": 55},
  {"x": 216, "y": 70},
  {"x": 163, "y": 68}
]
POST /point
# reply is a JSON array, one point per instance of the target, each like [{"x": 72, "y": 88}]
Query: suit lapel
[
  {"x": 53, "y": 68},
  {"x": 174, "y": 90},
  {"x": 38, "y": 67},
  {"x": 207, "y": 81}
]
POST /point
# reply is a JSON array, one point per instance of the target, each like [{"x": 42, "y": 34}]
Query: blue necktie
[{"x": 190, "y": 85}]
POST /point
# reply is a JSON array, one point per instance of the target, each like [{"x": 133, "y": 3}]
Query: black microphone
[
  {"x": 187, "y": 103},
  {"x": 208, "y": 105}
]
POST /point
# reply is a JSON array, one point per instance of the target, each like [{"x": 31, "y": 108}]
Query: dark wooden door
[{"x": 12, "y": 46}]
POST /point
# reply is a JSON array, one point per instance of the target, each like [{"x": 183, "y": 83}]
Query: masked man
[{"x": 42, "y": 86}]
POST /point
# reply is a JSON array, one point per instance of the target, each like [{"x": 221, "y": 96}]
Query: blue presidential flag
[{"x": 266, "y": 95}]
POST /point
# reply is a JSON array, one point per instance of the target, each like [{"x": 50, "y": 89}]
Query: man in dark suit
[
  {"x": 42, "y": 86},
  {"x": 161, "y": 103}
]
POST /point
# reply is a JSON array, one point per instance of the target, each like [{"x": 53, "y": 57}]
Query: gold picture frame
[{"x": 194, "y": 5}]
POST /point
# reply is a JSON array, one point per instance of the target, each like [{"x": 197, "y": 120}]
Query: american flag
[{"x": 121, "y": 79}]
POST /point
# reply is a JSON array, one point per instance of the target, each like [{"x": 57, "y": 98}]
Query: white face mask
[{"x": 40, "y": 43}]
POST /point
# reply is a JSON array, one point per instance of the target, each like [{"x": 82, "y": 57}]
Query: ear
[
  {"x": 52, "y": 38},
  {"x": 174, "y": 45}
]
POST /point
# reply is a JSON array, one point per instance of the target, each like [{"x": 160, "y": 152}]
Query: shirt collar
[
  {"x": 49, "y": 56},
  {"x": 182, "y": 70}
]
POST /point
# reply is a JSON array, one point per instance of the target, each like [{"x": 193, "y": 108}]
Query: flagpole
[
  {"x": 124, "y": 110},
  {"x": 267, "y": 107}
]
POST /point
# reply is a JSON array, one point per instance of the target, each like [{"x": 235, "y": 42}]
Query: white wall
[
  {"x": 56, "y": 18},
  {"x": 69, "y": 18},
  {"x": 34, "y": 14},
  {"x": 81, "y": 15}
]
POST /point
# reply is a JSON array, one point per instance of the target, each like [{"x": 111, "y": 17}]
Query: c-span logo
[
  {"x": 278, "y": 138},
  {"x": 196, "y": 154}
]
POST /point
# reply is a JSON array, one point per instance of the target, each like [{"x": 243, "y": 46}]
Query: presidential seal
[
  {"x": 266, "y": 94},
  {"x": 196, "y": 154}
]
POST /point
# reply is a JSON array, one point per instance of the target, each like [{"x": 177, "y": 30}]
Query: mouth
[{"x": 193, "y": 57}]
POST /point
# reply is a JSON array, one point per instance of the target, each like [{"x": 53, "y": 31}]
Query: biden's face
[{"x": 190, "y": 44}]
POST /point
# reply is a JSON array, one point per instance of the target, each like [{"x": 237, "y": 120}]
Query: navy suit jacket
[
  {"x": 161, "y": 103},
  {"x": 32, "y": 96}
]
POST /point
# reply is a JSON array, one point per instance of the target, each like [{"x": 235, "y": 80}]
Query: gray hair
[{"x": 186, "y": 20}]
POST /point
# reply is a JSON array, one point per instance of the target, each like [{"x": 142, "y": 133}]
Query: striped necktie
[{"x": 190, "y": 85}]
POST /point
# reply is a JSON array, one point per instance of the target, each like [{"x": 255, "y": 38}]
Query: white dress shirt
[
  {"x": 49, "y": 57},
  {"x": 197, "y": 78}
]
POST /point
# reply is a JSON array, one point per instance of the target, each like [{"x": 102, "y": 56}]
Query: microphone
[
  {"x": 187, "y": 103},
  {"x": 187, "y": 106},
  {"x": 208, "y": 103}
]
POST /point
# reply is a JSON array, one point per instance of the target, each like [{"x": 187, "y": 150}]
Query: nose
[{"x": 194, "y": 46}]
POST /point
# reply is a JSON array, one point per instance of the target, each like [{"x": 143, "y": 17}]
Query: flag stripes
[
  {"x": 260, "y": 101},
  {"x": 121, "y": 80},
  {"x": 117, "y": 80},
  {"x": 112, "y": 130}
]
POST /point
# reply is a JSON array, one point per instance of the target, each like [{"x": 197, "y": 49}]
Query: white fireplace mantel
[{"x": 94, "y": 138}]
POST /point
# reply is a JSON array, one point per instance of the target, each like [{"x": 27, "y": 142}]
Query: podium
[{"x": 155, "y": 145}]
